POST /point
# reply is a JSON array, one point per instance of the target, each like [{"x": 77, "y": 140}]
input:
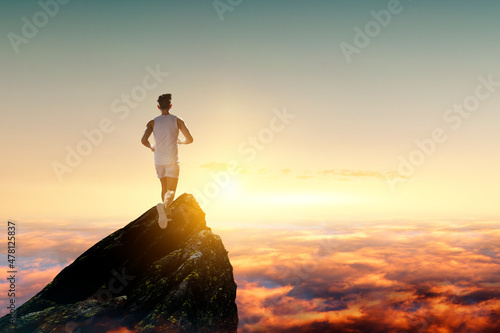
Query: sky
[
  {"x": 343, "y": 150},
  {"x": 307, "y": 117}
]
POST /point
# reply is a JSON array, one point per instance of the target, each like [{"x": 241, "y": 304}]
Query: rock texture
[{"x": 141, "y": 278}]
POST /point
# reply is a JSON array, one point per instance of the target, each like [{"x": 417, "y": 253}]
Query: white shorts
[{"x": 167, "y": 170}]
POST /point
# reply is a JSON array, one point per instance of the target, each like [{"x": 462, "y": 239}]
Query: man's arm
[
  {"x": 147, "y": 134},
  {"x": 185, "y": 131}
]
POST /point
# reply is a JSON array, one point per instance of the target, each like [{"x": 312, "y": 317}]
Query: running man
[{"x": 165, "y": 129}]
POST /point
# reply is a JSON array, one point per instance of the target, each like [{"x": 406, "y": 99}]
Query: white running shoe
[
  {"x": 162, "y": 215},
  {"x": 169, "y": 214}
]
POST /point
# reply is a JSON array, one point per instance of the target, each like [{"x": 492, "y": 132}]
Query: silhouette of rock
[{"x": 141, "y": 278}]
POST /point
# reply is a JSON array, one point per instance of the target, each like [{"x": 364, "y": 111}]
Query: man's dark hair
[{"x": 164, "y": 101}]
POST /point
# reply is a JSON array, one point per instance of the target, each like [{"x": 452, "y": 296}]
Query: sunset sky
[
  {"x": 226, "y": 78},
  {"x": 309, "y": 115}
]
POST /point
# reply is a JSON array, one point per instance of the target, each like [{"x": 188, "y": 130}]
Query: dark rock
[{"x": 141, "y": 278}]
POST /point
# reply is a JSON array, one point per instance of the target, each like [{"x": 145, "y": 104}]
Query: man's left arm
[
  {"x": 185, "y": 131},
  {"x": 147, "y": 134}
]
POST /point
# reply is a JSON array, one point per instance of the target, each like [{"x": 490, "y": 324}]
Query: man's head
[{"x": 165, "y": 102}]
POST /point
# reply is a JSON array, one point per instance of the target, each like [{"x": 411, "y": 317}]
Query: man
[{"x": 165, "y": 129}]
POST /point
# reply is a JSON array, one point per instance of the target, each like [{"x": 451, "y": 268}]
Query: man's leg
[
  {"x": 163, "y": 188},
  {"x": 168, "y": 188}
]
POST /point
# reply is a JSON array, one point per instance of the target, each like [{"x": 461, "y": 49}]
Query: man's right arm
[{"x": 185, "y": 131}]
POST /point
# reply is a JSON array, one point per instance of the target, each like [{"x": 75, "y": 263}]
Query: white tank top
[{"x": 166, "y": 133}]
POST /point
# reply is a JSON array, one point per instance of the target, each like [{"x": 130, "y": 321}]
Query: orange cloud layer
[
  {"x": 360, "y": 279},
  {"x": 371, "y": 280},
  {"x": 41, "y": 254}
]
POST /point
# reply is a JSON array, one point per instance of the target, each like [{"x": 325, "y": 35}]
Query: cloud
[
  {"x": 42, "y": 254},
  {"x": 369, "y": 279},
  {"x": 28, "y": 283},
  {"x": 232, "y": 168},
  {"x": 349, "y": 175},
  {"x": 215, "y": 166}
]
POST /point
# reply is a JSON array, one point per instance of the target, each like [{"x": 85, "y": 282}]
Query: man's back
[
  {"x": 165, "y": 129},
  {"x": 166, "y": 133}
]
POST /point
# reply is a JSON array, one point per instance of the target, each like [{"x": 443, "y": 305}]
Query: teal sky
[{"x": 227, "y": 77}]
